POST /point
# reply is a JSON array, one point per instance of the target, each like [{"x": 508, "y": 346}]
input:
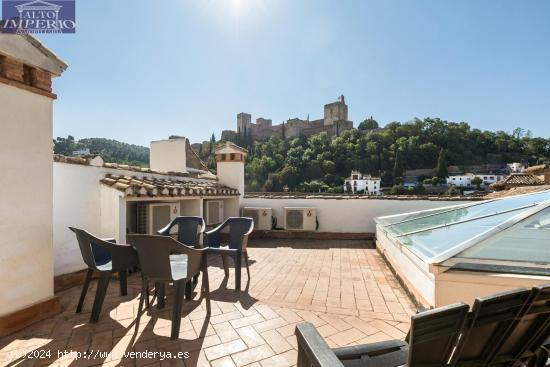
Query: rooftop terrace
[{"x": 343, "y": 287}]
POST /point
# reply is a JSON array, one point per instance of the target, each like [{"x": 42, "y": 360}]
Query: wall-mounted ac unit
[
  {"x": 262, "y": 217},
  {"x": 213, "y": 212},
  {"x": 300, "y": 219},
  {"x": 151, "y": 217}
]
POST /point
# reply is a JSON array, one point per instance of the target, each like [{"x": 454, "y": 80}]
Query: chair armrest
[
  {"x": 122, "y": 255},
  {"x": 312, "y": 349},
  {"x": 166, "y": 230},
  {"x": 213, "y": 236},
  {"x": 194, "y": 257},
  {"x": 371, "y": 349},
  {"x": 244, "y": 242}
]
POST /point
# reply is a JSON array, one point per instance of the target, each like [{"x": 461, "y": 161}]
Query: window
[
  {"x": 28, "y": 77},
  {"x": 232, "y": 156}
]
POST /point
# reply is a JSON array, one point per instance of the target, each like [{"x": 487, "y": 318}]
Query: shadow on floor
[
  {"x": 311, "y": 244},
  {"x": 113, "y": 337}
]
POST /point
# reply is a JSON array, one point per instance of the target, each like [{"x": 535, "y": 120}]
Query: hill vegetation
[
  {"x": 109, "y": 149},
  {"x": 321, "y": 163}
]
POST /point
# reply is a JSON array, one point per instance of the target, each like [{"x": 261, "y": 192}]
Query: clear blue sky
[{"x": 142, "y": 70}]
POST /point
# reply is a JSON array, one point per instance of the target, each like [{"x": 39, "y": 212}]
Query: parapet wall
[{"x": 347, "y": 213}]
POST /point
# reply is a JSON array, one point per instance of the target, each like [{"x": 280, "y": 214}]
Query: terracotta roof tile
[
  {"x": 517, "y": 179},
  {"x": 537, "y": 170},
  {"x": 137, "y": 186},
  {"x": 96, "y": 160}
]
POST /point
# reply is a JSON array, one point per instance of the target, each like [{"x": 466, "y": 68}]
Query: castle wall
[{"x": 335, "y": 122}]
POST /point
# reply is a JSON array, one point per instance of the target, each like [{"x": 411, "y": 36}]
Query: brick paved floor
[{"x": 343, "y": 287}]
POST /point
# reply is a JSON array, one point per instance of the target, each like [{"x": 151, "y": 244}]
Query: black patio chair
[
  {"x": 236, "y": 246},
  {"x": 488, "y": 325},
  {"x": 165, "y": 260},
  {"x": 189, "y": 233},
  {"x": 105, "y": 257},
  {"x": 431, "y": 339},
  {"x": 507, "y": 329},
  {"x": 190, "y": 230}
]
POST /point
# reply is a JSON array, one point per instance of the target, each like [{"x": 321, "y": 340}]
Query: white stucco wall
[
  {"x": 168, "y": 155},
  {"x": 26, "y": 256},
  {"x": 231, "y": 174},
  {"x": 465, "y": 286},
  {"x": 76, "y": 204},
  {"x": 345, "y": 215},
  {"x": 413, "y": 272}
]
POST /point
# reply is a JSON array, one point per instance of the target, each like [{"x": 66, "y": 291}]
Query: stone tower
[
  {"x": 336, "y": 111},
  {"x": 244, "y": 122}
]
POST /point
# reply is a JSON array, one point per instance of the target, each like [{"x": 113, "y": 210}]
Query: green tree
[
  {"x": 441, "y": 169},
  {"x": 452, "y": 191},
  {"x": 477, "y": 181},
  {"x": 368, "y": 124},
  {"x": 398, "y": 168}
]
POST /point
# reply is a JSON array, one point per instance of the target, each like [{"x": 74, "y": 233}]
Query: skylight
[{"x": 484, "y": 230}]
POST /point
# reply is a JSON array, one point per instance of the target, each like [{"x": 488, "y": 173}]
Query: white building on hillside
[
  {"x": 359, "y": 183},
  {"x": 516, "y": 167},
  {"x": 465, "y": 179}
]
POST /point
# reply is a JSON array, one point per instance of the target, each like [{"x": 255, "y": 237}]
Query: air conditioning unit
[
  {"x": 213, "y": 211},
  {"x": 300, "y": 219},
  {"x": 151, "y": 217},
  {"x": 262, "y": 217}
]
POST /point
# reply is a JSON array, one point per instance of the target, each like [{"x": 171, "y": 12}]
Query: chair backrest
[
  {"x": 189, "y": 229},
  {"x": 531, "y": 331},
  {"x": 433, "y": 334},
  {"x": 488, "y": 326},
  {"x": 238, "y": 227},
  {"x": 154, "y": 254},
  {"x": 92, "y": 254}
]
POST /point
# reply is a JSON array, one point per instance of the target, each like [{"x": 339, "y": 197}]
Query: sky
[{"x": 144, "y": 70}]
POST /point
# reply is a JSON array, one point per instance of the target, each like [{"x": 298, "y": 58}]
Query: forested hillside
[
  {"x": 321, "y": 163},
  {"x": 110, "y": 150}
]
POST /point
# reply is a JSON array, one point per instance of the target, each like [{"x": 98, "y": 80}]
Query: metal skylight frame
[
  {"x": 532, "y": 209},
  {"x": 455, "y": 250}
]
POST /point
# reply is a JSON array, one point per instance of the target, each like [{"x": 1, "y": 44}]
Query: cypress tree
[{"x": 441, "y": 169}]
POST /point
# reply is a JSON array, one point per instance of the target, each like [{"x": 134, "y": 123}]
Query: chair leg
[
  {"x": 122, "y": 277},
  {"x": 225, "y": 268},
  {"x": 102, "y": 286},
  {"x": 176, "y": 315},
  {"x": 246, "y": 262},
  {"x": 189, "y": 290},
  {"x": 142, "y": 297},
  {"x": 85, "y": 287},
  {"x": 206, "y": 288},
  {"x": 160, "y": 291},
  {"x": 147, "y": 304},
  {"x": 238, "y": 272}
]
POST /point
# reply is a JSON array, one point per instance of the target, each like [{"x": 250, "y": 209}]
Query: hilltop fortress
[{"x": 334, "y": 122}]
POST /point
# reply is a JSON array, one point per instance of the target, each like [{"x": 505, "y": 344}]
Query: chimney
[
  {"x": 230, "y": 160},
  {"x": 168, "y": 155}
]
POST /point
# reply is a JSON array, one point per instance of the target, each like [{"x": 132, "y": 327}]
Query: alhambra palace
[{"x": 334, "y": 122}]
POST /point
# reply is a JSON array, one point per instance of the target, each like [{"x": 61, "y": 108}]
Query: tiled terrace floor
[{"x": 343, "y": 287}]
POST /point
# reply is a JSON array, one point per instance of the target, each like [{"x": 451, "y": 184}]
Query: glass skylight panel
[
  {"x": 467, "y": 213},
  {"x": 528, "y": 240},
  {"x": 431, "y": 243}
]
